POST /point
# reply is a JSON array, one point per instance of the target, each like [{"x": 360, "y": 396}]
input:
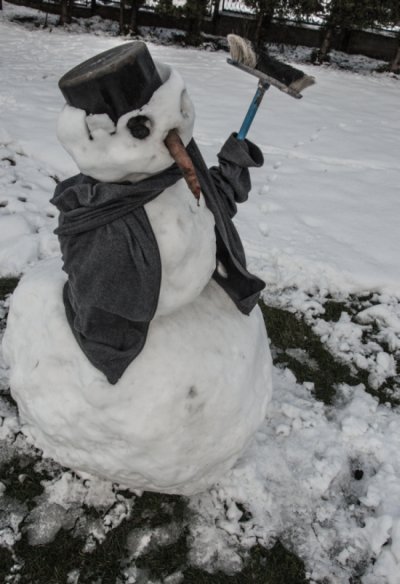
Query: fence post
[{"x": 215, "y": 15}]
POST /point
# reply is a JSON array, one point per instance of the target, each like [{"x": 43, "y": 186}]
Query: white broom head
[{"x": 241, "y": 50}]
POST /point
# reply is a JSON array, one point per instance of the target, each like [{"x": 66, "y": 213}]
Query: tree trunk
[
  {"x": 133, "y": 29},
  {"x": 259, "y": 31},
  {"x": 394, "y": 65},
  {"x": 345, "y": 40},
  {"x": 64, "y": 12},
  {"x": 1, "y": 4},
  {"x": 122, "y": 17},
  {"x": 326, "y": 45},
  {"x": 93, "y": 7},
  {"x": 215, "y": 15},
  {"x": 70, "y": 6},
  {"x": 194, "y": 12},
  {"x": 264, "y": 21}
]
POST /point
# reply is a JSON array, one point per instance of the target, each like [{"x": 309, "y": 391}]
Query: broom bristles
[
  {"x": 243, "y": 54},
  {"x": 241, "y": 50}
]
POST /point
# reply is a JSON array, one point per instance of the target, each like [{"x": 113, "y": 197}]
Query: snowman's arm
[{"x": 232, "y": 176}]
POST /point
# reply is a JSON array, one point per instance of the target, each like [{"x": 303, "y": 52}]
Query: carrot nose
[{"x": 178, "y": 152}]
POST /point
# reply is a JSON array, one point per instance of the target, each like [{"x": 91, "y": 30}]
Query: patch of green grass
[
  {"x": 49, "y": 563},
  {"x": 274, "y": 566},
  {"x": 334, "y": 309},
  {"x": 7, "y": 286},
  {"x": 156, "y": 509},
  {"x": 150, "y": 511},
  {"x": 6, "y": 563},
  {"x": 52, "y": 562},
  {"x": 288, "y": 331},
  {"x": 162, "y": 561},
  {"x": 389, "y": 391},
  {"x": 21, "y": 480},
  {"x": 262, "y": 566}
]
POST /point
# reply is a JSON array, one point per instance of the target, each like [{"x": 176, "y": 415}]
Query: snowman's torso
[
  {"x": 185, "y": 235},
  {"x": 186, "y": 406},
  {"x": 180, "y": 415}
]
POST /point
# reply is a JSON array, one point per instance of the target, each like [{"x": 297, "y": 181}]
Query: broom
[{"x": 269, "y": 71}]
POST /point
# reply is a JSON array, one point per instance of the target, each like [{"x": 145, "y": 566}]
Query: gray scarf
[{"x": 112, "y": 259}]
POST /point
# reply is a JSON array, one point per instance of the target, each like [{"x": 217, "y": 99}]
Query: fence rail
[
  {"x": 237, "y": 6},
  {"x": 376, "y": 44}
]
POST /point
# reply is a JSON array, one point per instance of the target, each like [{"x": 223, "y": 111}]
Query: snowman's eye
[{"x": 139, "y": 127}]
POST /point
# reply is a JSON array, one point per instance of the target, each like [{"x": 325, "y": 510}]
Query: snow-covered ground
[{"x": 321, "y": 223}]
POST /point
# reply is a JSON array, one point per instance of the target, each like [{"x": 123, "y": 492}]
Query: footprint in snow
[
  {"x": 264, "y": 190},
  {"x": 310, "y": 221},
  {"x": 317, "y": 133},
  {"x": 264, "y": 229},
  {"x": 270, "y": 207}
]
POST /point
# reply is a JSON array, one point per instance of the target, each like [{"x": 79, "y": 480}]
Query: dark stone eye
[{"x": 139, "y": 127}]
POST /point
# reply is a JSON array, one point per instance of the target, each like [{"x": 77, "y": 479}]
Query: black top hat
[{"x": 115, "y": 82}]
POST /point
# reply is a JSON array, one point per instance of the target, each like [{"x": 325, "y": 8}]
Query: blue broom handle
[{"x": 251, "y": 112}]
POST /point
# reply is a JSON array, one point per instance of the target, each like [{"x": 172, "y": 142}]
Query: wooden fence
[{"x": 376, "y": 45}]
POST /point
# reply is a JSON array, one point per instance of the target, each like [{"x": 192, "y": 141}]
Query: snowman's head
[{"x": 120, "y": 107}]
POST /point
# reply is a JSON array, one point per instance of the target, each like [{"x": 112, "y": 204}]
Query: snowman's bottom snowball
[{"x": 180, "y": 415}]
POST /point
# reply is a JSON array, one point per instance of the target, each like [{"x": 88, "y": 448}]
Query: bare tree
[
  {"x": 134, "y": 13},
  {"x": 266, "y": 11},
  {"x": 121, "y": 17},
  {"x": 343, "y": 16},
  {"x": 269, "y": 10},
  {"x": 391, "y": 17},
  {"x": 394, "y": 64},
  {"x": 194, "y": 11},
  {"x": 215, "y": 15},
  {"x": 66, "y": 11}
]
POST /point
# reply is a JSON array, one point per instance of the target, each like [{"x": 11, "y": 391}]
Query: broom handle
[{"x": 251, "y": 112}]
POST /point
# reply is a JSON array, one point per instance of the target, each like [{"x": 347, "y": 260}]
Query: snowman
[{"x": 140, "y": 355}]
